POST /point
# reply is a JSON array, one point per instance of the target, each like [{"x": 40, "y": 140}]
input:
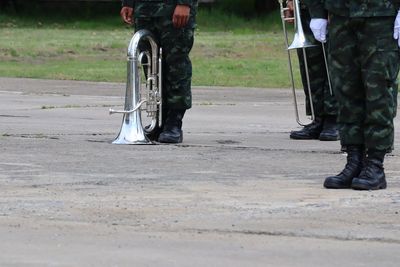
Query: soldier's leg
[
  {"x": 346, "y": 80},
  {"x": 380, "y": 67},
  {"x": 347, "y": 85},
  {"x": 324, "y": 126},
  {"x": 177, "y": 71},
  {"x": 312, "y": 130},
  {"x": 330, "y": 129},
  {"x": 325, "y": 113}
]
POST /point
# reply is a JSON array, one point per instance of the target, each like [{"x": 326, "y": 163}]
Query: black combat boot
[
  {"x": 310, "y": 131},
  {"x": 172, "y": 130},
  {"x": 372, "y": 176},
  {"x": 355, "y": 157},
  {"x": 330, "y": 130}
]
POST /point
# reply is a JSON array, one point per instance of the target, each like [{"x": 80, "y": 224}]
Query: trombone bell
[{"x": 300, "y": 41}]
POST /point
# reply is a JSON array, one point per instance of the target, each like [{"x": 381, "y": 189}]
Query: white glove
[
  {"x": 396, "y": 34},
  {"x": 319, "y": 29}
]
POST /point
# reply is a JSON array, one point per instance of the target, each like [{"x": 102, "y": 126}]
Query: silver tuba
[
  {"x": 143, "y": 102},
  {"x": 300, "y": 41}
]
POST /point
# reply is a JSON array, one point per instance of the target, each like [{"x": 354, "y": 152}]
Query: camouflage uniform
[
  {"x": 156, "y": 16},
  {"x": 364, "y": 61},
  {"x": 364, "y": 68},
  {"x": 324, "y": 103}
]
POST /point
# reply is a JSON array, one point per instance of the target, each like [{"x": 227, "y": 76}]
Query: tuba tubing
[{"x": 132, "y": 130}]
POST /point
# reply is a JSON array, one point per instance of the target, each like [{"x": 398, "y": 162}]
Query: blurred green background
[{"x": 238, "y": 43}]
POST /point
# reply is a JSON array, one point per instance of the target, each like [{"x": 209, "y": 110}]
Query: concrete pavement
[{"x": 237, "y": 192}]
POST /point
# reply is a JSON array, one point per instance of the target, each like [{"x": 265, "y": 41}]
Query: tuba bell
[
  {"x": 300, "y": 41},
  {"x": 142, "y": 114}
]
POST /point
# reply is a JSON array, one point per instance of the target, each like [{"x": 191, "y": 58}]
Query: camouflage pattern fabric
[
  {"x": 177, "y": 67},
  {"x": 364, "y": 67},
  {"x": 353, "y": 8},
  {"x": 324, "y": 103},
  {"x": 153, "y": 9},
  {"x": 159, "y": 8},
  {"x": 156, "y": 16}
]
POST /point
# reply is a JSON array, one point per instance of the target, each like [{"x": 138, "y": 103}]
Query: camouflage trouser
[
  {"x": 324, "y": 103},
  {"x": 364, "y": 67},
  {"x": 177, "y": 67}
]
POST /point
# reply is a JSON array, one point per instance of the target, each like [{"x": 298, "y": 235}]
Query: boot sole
[
  {"x": 328, "y": 138},
  {"x": 304, "y": 138},
  {"x": 362, "y": 186},
  {"x": 170, "y": 140},
  {"x": 330, "y": 185}
]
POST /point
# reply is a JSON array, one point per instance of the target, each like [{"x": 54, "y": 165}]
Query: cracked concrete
[{"x": 237, "y": 192}]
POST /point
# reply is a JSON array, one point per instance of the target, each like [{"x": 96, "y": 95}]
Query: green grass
[{"x": 228, "y": 51}]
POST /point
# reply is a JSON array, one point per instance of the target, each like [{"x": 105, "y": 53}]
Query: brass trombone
[
  {"x": 300, "y": 41},
  {"x": 143, "y": 103}
]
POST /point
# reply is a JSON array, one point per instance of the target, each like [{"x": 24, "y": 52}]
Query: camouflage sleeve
[
  {"x": 130, "y": 3},
  {"x": 185, "y": 2},
  {"x": 316, "y": 8}
]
